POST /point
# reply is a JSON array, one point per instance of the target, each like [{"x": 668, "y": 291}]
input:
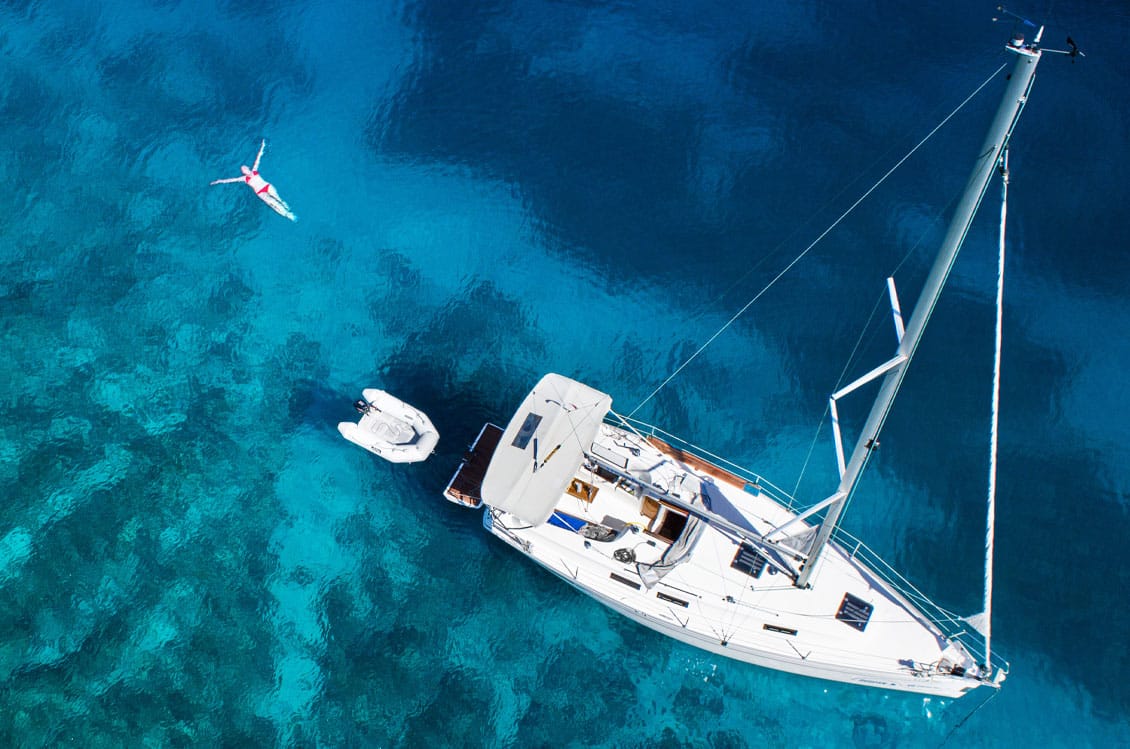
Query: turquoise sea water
[{"x": 190, "y": 555}]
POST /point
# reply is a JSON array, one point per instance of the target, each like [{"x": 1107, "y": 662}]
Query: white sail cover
[{"x": 542, "y": 446}]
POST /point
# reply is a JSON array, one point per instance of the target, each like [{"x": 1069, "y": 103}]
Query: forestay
[{"x": 542, "y": 446}]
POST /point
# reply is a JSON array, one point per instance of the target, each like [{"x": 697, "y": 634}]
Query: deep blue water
[{"x": 190, "y": 554}]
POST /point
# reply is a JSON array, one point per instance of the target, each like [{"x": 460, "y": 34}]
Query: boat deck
[
  {"x": 465, "y": 487},
  {"x": 725, "y": 596}
]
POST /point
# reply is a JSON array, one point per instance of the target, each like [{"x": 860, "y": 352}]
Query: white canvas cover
[{"x": 542, "y": 447}]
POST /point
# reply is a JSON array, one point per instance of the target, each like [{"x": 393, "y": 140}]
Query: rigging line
[
  {"x": 1016, "y": 117},
  {"x": 863, "y": 332},
  {"x": 867, "y": 458},
  {"x": 967, "y": 717},
  {"x": 727, "y": 621},
  {"x": 882, "y": 295},
  {"x": 816, "y": 241},
  {"x": 922, "y": 237},
  {"x": 990, "y": 512},
  {"x": 712, "y": 304},
  {"x": 569, "y": 408},
  {"x": 839, "y": 381}
]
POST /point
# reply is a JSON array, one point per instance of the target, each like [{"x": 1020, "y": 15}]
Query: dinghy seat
[
  {"x": 394, "y": 432},
  {"x": 427, "y": 442}
]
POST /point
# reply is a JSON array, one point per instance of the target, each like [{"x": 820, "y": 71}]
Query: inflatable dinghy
[{"x": 390, "y": 428}]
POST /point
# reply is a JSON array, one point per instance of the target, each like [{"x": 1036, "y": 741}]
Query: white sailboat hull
[
  {"x": 931, "y": 684},
  {"x": 677, "y": 543},
  {"x": 704, "y": 602},
  {"x": 939, "y": 686}
]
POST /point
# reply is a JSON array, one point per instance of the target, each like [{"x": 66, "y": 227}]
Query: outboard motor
[{"x": 362, "y": 406}]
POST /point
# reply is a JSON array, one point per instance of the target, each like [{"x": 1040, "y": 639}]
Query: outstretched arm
[
  {"x": 262, "y": 146},
  {"x": 224, "y": 181}
]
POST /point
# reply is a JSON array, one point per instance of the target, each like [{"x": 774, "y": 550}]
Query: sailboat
[{"x": 716, "y": 556}]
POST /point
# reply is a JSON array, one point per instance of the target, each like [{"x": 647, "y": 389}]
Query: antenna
[
  {"x": 1005, "y": 12},
  {"x": 1073, "y": 50}
]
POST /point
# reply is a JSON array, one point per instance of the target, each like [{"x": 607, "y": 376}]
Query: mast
[{"x": 1015, "y": 96}]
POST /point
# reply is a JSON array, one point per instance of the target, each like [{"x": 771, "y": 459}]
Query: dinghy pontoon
[{"x": 390, "y": 428}]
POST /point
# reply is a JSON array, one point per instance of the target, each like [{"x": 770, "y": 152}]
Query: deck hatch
[
  {"x": 610, "y": 456},
  {"x": 529, "y": 426},
  {"x": 749, "y": 560},
  {"x": 855, "y": 612}
]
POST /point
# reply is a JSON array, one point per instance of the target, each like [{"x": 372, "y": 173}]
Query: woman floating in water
[{"x": 266, "y": 191}]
